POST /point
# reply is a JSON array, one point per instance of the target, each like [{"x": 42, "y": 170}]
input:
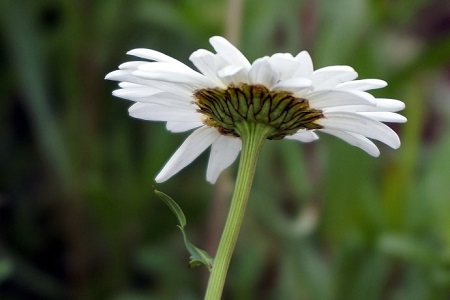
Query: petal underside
[
  {"x": 335, "y": 98},
  {"x": 262, "y": 73},
  {"x": 356, "y": 140},
  {"x": 209, "y": 64},
  {"x": 191, "y": 148},
  {"x": 223, "y": 153},
  {"x": 229, "y": 52},
  {"x": 353, "y": 122},
  {"x": 156, "y": 112},
  {"x": 305, "y": 136}
]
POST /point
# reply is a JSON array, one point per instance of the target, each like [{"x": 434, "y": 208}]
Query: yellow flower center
[{"x": 281, "y": 110}]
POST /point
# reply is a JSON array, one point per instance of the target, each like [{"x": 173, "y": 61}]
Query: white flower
[{"x": 302, "y": 100}]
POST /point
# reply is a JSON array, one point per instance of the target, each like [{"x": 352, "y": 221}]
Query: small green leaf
[
  {"x": 174, "y": 207},
  {"x": 198, "y": 256}
]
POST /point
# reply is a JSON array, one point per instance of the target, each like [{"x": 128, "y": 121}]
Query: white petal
[
  {"x": 174, "y": 126},
  {"x": 208, "y": 63},
  {"x": 155, "y": 55},
  {"x": 233, "y": 75},
  {"x": 387, "y": 105},
  {"x": 262, "y": 73},
  {"x": 325, "y": 99},
  {"x": 353, "y": 122},
  {"x": 363, "y": 85},
  {"x": 355, "y": 139},
  {"x": 155, "y": 112},
  {"x": 127, "y": 76},
  {"x": 298, "y": 85},
  {"x": 229, "y": 52},
  {"x": 305, "y": 67},
  {"x": 192, "y": 147},
  {"x": 392, "y": 105},
  {"x": 383, "y": 116},
  {"x": 172, "y": 73},
  {"x": 168, "y": 100},
  {"x": 117, "y": 75},
  {"x": 174, "y": 77},
  {"x": 131, "y": 65},
  {"x": 284, "y": 64},
  {"x": 130, "y": 85},
  {"x": 137, "y": 92},
  {"x": 353, "y": 108},
  {"x": 304, "y": 136},
  {"x": 223, "y": 153},
  {"x": 330, "y": 77}
]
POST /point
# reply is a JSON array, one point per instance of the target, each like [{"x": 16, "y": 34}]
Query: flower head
[{"x": 281, "y": 91}]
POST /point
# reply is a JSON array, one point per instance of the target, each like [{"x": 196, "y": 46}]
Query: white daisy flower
[{"x": 281, "y": 91}]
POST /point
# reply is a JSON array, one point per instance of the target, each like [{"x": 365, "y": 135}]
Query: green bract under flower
[
  {"x": 281, "y": 91},
  {"x": 281, "y": 110}
]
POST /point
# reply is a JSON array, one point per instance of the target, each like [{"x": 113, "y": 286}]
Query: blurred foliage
[{"x": 78, "y": 218}]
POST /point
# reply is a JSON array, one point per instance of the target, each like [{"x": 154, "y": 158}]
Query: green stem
[{"x": 253, "y": 136}]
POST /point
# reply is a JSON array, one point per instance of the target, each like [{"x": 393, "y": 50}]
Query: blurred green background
[{"x": 79, "y": 220}]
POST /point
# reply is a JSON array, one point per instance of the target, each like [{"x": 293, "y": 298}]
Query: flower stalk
[{"x": 253, "y": 136}]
